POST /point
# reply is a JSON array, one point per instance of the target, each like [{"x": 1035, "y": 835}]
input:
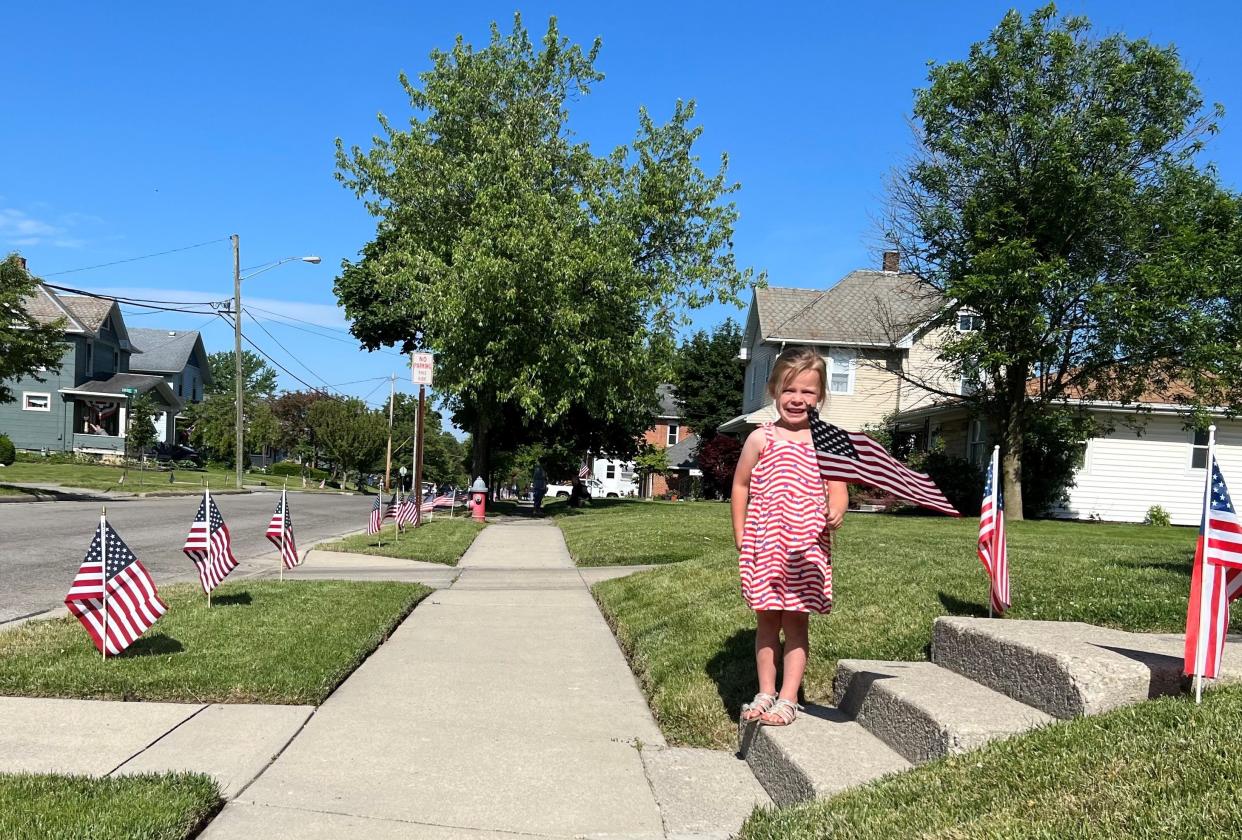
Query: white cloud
[
  {"x": 20, "y": 229},
  {"x": 320, "y": 314}
]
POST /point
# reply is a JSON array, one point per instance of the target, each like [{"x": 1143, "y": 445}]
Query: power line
[
  {"x": 135, "y": 259},
  {"x": 133, "y": 300},
  {"x": 259, "y": 324},
  {"x": 353, "y": 343}
]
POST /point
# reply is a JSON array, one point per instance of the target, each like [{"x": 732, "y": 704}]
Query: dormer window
[{"x": 969, "y": 322}]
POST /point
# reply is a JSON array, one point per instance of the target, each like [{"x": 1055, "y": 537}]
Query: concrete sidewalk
[{"x": 501, "y": 708}]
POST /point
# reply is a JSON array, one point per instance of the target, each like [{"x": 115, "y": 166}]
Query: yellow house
[{"x": 878, "y": 332}]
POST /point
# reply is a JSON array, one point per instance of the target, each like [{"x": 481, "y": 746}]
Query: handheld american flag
[
  {"x": 280, "y": 533},
  {"x": 208, "y": 544},
  {"x": 113, "y": 594},
  {"x": 857, "y": 459},
  {"x": 376, "y": 521},
  {"x": 992, "y": 549},
  {"x": 1216, "y": 578}
]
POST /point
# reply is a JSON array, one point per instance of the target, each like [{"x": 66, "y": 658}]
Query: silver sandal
[
  {"x": 784, "y": 712},
  {"x": 759, "y": 704}
]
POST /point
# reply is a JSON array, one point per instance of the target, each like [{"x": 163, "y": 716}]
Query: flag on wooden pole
[
  {"x": 209, "y": 545},
  {"x": 1216, "y": 576},
  {"x": 376, "y": 521},
  {"x": 992, "y": 549},
  {"x": 280, "y": 533},
  {"x": 113, "y": 595}
]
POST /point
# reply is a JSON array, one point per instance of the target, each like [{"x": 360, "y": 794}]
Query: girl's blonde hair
[{"x": 793, "y": 361}]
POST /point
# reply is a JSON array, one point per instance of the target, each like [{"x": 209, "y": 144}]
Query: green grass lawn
[
  {"x": 107, "y": 477},
  {"x": 439, "y": 540},
  {"x": 1166, "y": 768},
  {"x": 164, "y": 806},
  {"x": 260, "y": 642},
  {"x": 690, "y": 637}
]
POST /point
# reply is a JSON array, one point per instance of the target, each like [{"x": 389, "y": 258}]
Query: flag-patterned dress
[{"x": 786, "y": 562}]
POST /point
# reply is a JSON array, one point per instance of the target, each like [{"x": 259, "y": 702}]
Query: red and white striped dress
[{"x": 786, "y": 559}]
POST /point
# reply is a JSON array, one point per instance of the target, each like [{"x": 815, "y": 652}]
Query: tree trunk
[
  {"x": 478, "y": 457},
  {"x": 1013, "y": 433}
]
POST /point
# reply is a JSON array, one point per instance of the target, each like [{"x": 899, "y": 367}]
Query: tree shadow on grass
[
  {"x": 238, "y": 599},
  {"x": 1181, "y": 568},
  {"x": 956, "y": 606},
  {"x": 733, "y": 671},
  {"x": 157, "y": 645}
]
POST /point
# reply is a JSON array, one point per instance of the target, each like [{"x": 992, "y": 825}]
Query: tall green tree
[
  {"x": 258, "y": 376},
  {"x": 546, "y": 278},
  {"x": 351, "y": 434},
  {"x": 1056, "y": 191},
  {"x": 27, "y": 347},
  {"x": 708, "y": 375},
  {"x": 141, "y": 433}
]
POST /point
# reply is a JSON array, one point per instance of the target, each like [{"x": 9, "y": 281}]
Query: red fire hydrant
[{"x": 478, "y": 499}]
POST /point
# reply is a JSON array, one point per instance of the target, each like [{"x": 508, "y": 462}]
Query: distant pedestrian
[
  {"x": 539, "y": 487},
  {"x": 782, "y": 528}
]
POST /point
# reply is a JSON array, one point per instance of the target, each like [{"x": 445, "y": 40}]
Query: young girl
[{"x": 781, "y": 526}]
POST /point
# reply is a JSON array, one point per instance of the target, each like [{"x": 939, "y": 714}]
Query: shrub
[
  {"x": 718, "y": 459},
  {"x": 1157, "y": 516},
  {"x": 293, "y": 469},
  {"x": 959, "y": 479},
  {"x": 1053, "y": 447},
  {"x": 8, "y": 454}
]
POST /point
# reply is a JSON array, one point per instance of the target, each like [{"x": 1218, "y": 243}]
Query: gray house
[
  {"x": 180, "y": 358},
  {"x": 82, "y": 407}
]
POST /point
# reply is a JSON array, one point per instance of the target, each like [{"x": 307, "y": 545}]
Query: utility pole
[
  {"x": 237, "y": 355},
  {"x": 418, "y": 452},
  {"x": 392, "y": 392}
]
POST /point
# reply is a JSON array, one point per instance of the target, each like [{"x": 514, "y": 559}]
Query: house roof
[
  {"x": 164, "y": 351},
  {"x": 91, "y": 312},
  {"x": 863, "y": 308},
  {"x": 82, "y": 313},
  {"x": 668, "y": 401},
  {"x": 746, "y": 422},
  {"x": 681, "y": 454},
  {"x": 111, "y": 387},
  {"x": 46, "y": 308}
]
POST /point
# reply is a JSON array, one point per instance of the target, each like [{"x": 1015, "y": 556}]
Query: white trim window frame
[
  {"x": 43, "y": 396},
  {"x": 842, "y": 365},
  {"x": 674, "y": 434},
  {"x": 976, "y": 443},
  {"x": 968, "y": 321},
  {"x": 1198, "y": 449}
]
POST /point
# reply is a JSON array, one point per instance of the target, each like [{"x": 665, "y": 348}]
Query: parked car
[
  {"x": 594, "y": 486},
  {"x": 178, "y": 452}
]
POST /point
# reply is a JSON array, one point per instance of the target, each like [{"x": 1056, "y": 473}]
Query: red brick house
[{"x": 669, "y": 432}]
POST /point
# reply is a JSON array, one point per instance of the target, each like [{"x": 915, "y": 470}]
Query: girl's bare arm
[
  {"x": 740, "y": 497},
  {"x": 838, "y": 501}
]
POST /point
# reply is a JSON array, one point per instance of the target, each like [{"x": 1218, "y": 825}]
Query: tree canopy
[
  {"x": 1057, "y": 191},
  {"x": 708, "y": 376},
  {"x": 259, "y": 377},
  {"x": 545, "y": 278},
  {"x": 27, "y": 347},
  {"x": 351, "y": 434}
]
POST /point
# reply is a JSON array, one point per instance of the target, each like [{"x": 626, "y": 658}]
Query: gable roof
[
  {"x": 668, "y": 401},
  {"x": 164, "y": 351},
  {"x": 47, "y": 308},
  {"x": 91, "y": 312},
  {"x": 681, "y": 454},
  {"x": 864, "y": 308}
]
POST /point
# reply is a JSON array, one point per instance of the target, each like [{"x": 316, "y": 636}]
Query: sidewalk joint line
[
  {"x": 277, "y": 754},
  {"x": 180, "y": 724}
]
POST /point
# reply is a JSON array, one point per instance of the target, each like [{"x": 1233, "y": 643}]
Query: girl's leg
[
  {"x": 767, "y": 648},
  {"x": 797, "y": 643}
]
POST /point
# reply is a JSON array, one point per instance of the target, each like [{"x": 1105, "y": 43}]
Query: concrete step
[
  {"x": 702, "y": 794},
  {"x": 1067, "y": 668},
  {"x": 822, "y": 753},
  {"x": 925, "y": 712}
]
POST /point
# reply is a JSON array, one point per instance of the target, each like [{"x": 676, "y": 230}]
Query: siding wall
[
  {"x": 923, "y": 363},
  {"x": 1125, "y": 474},
  {"x": 874, "y": 395},
  {"x": 755, "y": 382},
  {"x": 43, "y": 429}
]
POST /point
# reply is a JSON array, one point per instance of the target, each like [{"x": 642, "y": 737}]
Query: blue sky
[{"x": 136, "y": 128}]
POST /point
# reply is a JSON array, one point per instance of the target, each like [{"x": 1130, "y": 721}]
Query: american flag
[
  {"x": 992, "y": 550},
  {"x": 390, "y": 511},
  {"x": 584, "y": 471},
  {"x": 431, "y": 502},
  {"x": 208, "y": 544},
  {"x": 855, "y": 458},
  {"x": 133, "y": 605},
  {"x": 280, "y": 532},
  {"x": 1215, "y": 580},
  {"x": 407, "y": 514},
  {"x": 376, "y": 522}
]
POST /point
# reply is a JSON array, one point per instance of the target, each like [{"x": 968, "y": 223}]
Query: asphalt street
[{"x": 42, "y": 543}]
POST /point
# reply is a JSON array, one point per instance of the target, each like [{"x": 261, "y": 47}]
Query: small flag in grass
[
  {"x": 280, "y": 532},
  {"x": 209, "y": 545},
  {"x": 377, "y": 517},
  {"x": 113, "y": 594}
]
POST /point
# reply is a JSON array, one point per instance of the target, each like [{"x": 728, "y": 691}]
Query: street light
[{"x": 237, "y": 337}]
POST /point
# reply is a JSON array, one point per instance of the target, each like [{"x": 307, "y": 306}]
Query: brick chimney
[
  {"x": 892, "y": 261},
  {"x": 21, "y": 263}
]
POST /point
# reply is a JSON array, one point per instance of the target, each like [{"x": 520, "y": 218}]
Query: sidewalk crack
[{"x": 180, "y": 724}]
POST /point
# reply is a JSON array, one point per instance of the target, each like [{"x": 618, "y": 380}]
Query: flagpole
[
  {"x": 1201, "y": 642},
  {"x": 994, "y": 467},
  {"x": 284, "y": 515},
  {"x": 207, "y": 515},
  {"x": 103, "y": 560}
]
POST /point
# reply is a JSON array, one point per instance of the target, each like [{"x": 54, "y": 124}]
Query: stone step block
[
  {"x": 925, "y": 712},
  {"x": 1067, "y": 668},
  {"x": 702, "y": 794},
  {"x": 822, "y": 753}
]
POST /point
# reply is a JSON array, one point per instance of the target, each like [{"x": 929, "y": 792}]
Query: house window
[
  {"x": 90, "y": 357},
  {"x": 116, "y": 361},
  {"x": 32, "y": 401},
  {"x": 840, "y": 371},
  {"x": 673, "y": 431},
  {"x": 1199, "y": 449},
  {"x": 970, "y": 380},
  {"x": 967, "y": 322},
  {"x": 976, "y": 446}
]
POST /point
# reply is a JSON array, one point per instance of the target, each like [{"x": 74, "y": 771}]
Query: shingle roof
[
  {"x": 864, "y": 307},
  {"x": 161, "y": 351},
  {"x": 43, "y": 308},
  {"x": 668, "y": 401},
  {"x": 112, "y": 386},
  {"x": 681, "y": 454},
  {"x": 90, "y": 311}
]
